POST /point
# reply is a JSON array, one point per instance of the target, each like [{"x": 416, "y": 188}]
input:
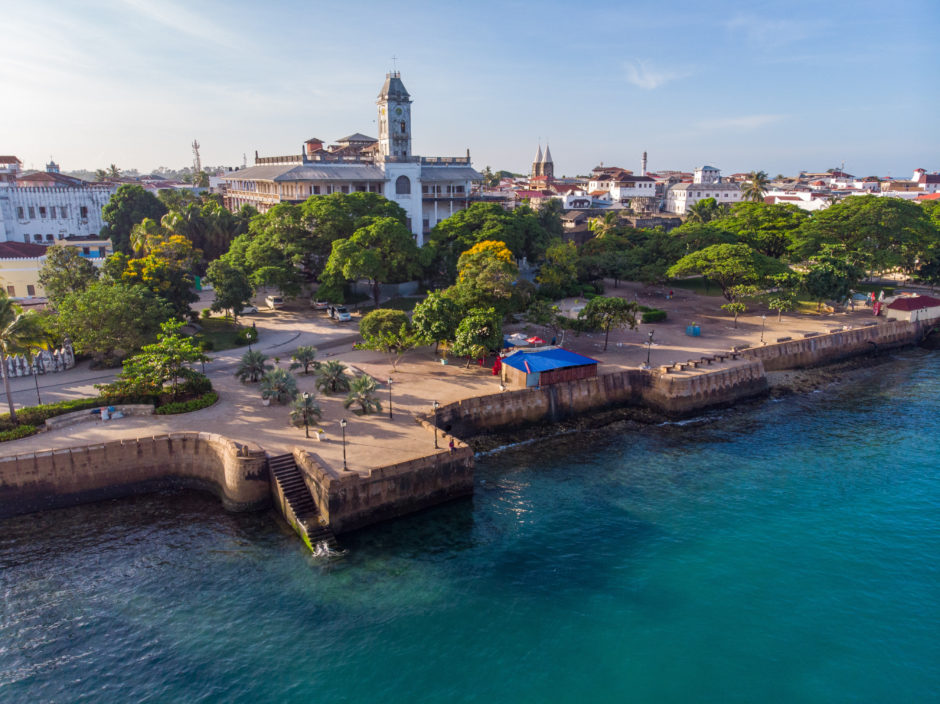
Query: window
[
  {"x": 427, "y": 224},
  {"x": 344, "y": 189},
  {"x": 102, "y": 252},
  {"x": 316, "y": 190},
  {"x": 402, "y": 185},
  {"x": 63, "y": 211},
  {"x": 38, "y": 238},
  {"x": 86, "y": 251},
  {"x": 403, "y": 130},
  {"x": 42, "y": 211},
  {"x": 30, "y": 290},
  {"x": 50, "y": 238},
  {"x": 11, "y": 291},
  {"x": 32, "y": 213},
  {"x": 20, "y": 213},
  {"x": 84, "y": 212},
  {"x": 424, "y": 189},
  {"x": 52, "y": 212}
]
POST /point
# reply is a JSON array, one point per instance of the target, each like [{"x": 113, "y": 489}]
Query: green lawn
[
  {"x": 221, "y": 332},
  {"x": 406, "y": 304}
]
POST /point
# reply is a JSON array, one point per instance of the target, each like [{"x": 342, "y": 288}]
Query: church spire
[
  {"x": 548, "y": 156},
  {"x": 537, "y": 164}
]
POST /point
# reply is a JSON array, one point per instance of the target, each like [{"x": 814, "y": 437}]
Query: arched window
[
  {"x": 403, "y": 130},
  {"x": 402, "y": 185}
]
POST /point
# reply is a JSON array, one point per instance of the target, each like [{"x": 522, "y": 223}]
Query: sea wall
[
  {"x": 815, "y": 350},
  {"x": 347, "y": 500},
  {"x": 675, "y": 394},
  {"x": 235, "y": 472}
]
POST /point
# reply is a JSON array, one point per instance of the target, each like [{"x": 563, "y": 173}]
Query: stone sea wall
[
  {"x": 673, "y": 394},
  {"x": 347, "y": 500},
  {"x": 235, "y": 472}
]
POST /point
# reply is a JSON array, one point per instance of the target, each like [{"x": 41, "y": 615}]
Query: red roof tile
[
  {"x": 909, "y": 303},
  {"x": 21, "y": 250}
]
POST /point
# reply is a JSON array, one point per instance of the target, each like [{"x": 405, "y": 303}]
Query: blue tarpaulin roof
[{"x": 546, "y": 360}]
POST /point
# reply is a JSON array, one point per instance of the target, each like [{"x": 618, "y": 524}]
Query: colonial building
[
  {"x": 706, "y": 183},
  {"x": 45, "y": 207},
  {"x": 621, "y": 186},
  {"x": 543, "y": 170},
  {"x": 429, "y": 189}
]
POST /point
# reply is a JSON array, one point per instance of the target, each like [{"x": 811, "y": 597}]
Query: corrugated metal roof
[
  {"x": 546, "y": 360},
  {"x": 450, "y": 173},
  {"x": 914, "y": 303},
  {"x": 299, "y": 172}
]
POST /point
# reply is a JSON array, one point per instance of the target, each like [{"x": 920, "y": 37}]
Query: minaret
[
  {"x": 394, "y": 117},
  {"x": 643, "y": 165},
  {"x": 537, "y": 164},
  {"x": 548, "y": 166}
]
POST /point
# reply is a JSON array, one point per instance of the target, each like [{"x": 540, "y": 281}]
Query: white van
[{"x": 274, "y": 301}]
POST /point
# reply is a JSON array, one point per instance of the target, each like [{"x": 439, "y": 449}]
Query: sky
[{"x": 776, "y": 86}]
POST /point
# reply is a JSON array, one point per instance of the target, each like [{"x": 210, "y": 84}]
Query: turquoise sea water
[{"x": 786, "y": 552}]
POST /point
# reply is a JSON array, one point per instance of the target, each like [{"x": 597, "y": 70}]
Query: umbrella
[{"x": 535, "y": 340}]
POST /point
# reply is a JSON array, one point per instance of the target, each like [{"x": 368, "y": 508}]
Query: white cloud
[
  {"x": 643, "y": 75},
  {"x": 184, "y": 21},
  {"x": 740, "y": 122},
  {"x": 771, "y": 33}
]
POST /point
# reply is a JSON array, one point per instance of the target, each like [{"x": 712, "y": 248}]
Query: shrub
[
  {"x": 37, "y": 415},
  {"x": 196, "y": 383},
  {"x": 194, "y": 404},
  {"x": 206, "y": 313},
  {"x": 652, "y": 315},
  {"x": 20, "y": 431}
]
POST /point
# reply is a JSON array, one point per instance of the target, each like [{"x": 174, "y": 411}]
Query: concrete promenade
[{"x": 376, "y": 440}]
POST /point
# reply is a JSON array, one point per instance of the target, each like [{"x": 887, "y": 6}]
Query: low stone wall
[
  {"x": 235, "y": 472},
  {"x": 673, "y": 394},
  {"x": 815, "y": 350},
  {"x": 87, "y": 416},
  {"x": 347, "y": 500}
]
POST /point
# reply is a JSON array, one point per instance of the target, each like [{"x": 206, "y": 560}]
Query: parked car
[
  {"x": 274, "y": 302},
  {"x": 248, "y": 310},
  {"x": 317, "y": 304},
  {"x": 341, "y": 314}
]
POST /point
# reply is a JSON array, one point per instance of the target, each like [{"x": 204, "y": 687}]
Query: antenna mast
[{"x": 197, "y": 162}]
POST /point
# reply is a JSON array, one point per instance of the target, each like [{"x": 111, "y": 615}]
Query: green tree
[
  {"x": 112, "y": 321},
  {"x": 480, "y": 332},
  {"x": 770, "y": 229},
  {"x": 65, "y": 271},
  {"x": 331, "y": 377},
  {"x": 306, "y": 357},
  {"x": 755, "y": 186},
  {"x": 362, "y": 393},
  {"x": 382, "y": 252},
  {"x": 728, "y": 265},
  {"x": 831, "y": 278},
  {"x": 737, "y": 305},
  {"x": 541, "y": 312},
  {"x": 381, "y": 321},
  {"x": 436, "y": 318},
  {"x": 783, "y": 295},
  {"x": 279, "y": 386},
  {"x": 17, "y": 333},
  {"x": 606, "y": 313},
  {"x": 394, "y": 343},
  {"x": 128, "y": 206},
  {"x": 252, "y": 366},
  {"x": 558, "y": 275},
  {"x": 704, "y": 211},
  {"x": 156, "y": 364},
  {"x": 304, "y": 410},
  {"x": 166, "y": 268},
  {"x": 231, "y": 286},
  {"x": 604, "y": 225}
]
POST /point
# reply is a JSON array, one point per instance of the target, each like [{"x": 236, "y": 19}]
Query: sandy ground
[{"x": 377, "y": 440}]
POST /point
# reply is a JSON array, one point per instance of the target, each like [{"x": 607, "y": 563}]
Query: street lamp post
[
  {"x": 763, "y": 322},
  {"x": 306, "y": 424},
  {"x": 649, "y": 347},
  {"x": 343, "y": 425},
  {"x": 435, "y": 405},
  {"x": 390, "y": 398}
]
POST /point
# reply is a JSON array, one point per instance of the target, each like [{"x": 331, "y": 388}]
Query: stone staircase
[{"x": 305, "y": 518}]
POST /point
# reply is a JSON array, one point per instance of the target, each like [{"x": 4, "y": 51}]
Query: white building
[
  {"x": 46, "y": 207},
  {"x": 620, "y": 185},
  {"x": 706, "y": 183},
  {"x": 429, "y": 189},
  {"x": 929, "y": 183}
]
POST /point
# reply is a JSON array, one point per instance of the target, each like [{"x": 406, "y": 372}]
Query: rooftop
[{"x": 543, "y": 360}]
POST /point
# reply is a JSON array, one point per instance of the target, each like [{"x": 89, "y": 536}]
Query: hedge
[
  {"x": 653, "y": 315},
  {"x": 20, "y": 431},
  {"x": 194, "y": 404}
]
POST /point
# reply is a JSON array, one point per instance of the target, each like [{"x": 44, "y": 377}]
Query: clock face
[{"x": 398, "y": 111}]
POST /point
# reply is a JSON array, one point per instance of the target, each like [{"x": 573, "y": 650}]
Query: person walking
[{"x": 453, "y": 448}]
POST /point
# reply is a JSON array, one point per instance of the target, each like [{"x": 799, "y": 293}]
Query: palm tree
[
  {"x": 279, "y": 386},
  {"x": 304, "y": 357},
  {"x": 252, "y": 366},
  {"x": 305, "y": 409},
  {"x": 756, "y": 186},
  {"x": 603, "y": 226},
  {"x": 17, "y": 332},
  {"x": 703, "y": 211},
  {"x": 362, "y": 392},
  {"x": 114, "y": 172},
  {"x": 331, "y": 377}
]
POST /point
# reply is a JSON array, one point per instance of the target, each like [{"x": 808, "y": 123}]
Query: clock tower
[{"x": 394, "y": 117}]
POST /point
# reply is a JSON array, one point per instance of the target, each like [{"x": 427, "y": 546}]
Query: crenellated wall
[
  {"x": 348, "y": 500},
  {"x": 235, "y": 472}
]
